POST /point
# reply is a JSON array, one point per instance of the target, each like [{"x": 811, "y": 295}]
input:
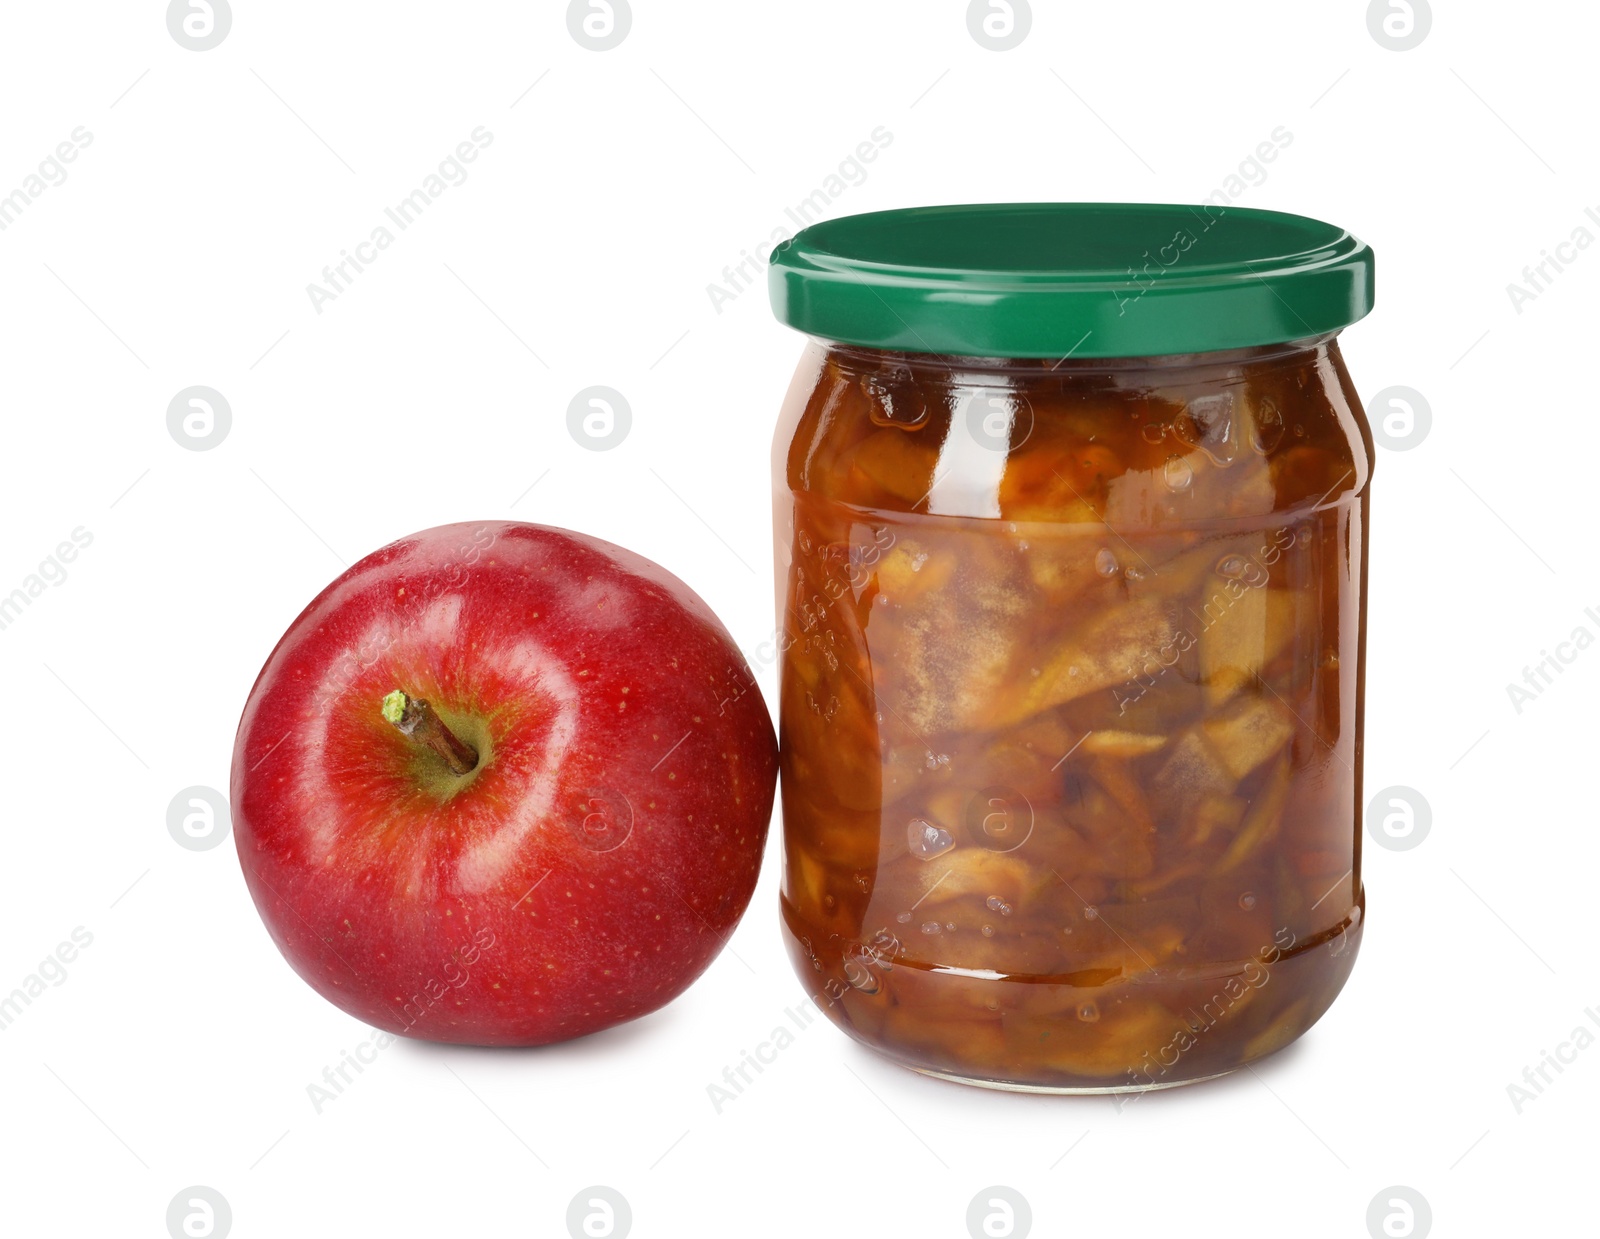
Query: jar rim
[{"x": 1070, "y": 279}]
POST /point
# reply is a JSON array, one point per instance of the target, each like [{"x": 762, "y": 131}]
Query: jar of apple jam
[{"x": 1071, "y": 528}]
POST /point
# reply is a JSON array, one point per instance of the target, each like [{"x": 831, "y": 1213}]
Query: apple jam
[{"x": 1071, "y": 705}]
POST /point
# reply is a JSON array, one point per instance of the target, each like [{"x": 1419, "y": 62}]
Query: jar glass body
[{"x": 1071, "y": 705}]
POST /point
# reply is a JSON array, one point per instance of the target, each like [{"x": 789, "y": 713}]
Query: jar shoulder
[{"x": 1144, "y": 444}]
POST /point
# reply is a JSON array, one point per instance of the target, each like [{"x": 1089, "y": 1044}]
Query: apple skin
[{"x": 598, "y": 857}]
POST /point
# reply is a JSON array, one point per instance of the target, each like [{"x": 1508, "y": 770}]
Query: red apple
[{"x": 556, "y": 820}]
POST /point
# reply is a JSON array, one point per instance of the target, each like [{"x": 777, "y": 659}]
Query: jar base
[{"x": 1059, "y": 1090}]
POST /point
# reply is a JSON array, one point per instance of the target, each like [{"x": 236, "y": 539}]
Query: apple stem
[{"x": 415, "y": 718}]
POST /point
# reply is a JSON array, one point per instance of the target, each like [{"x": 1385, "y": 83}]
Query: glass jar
[{"x": 1071, "y": 510}]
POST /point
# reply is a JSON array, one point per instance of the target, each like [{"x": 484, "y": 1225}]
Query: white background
[{"x": 217, "y": 186}]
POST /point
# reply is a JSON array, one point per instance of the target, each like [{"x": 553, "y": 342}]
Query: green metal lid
[{"x": 1081, "y": 279}]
